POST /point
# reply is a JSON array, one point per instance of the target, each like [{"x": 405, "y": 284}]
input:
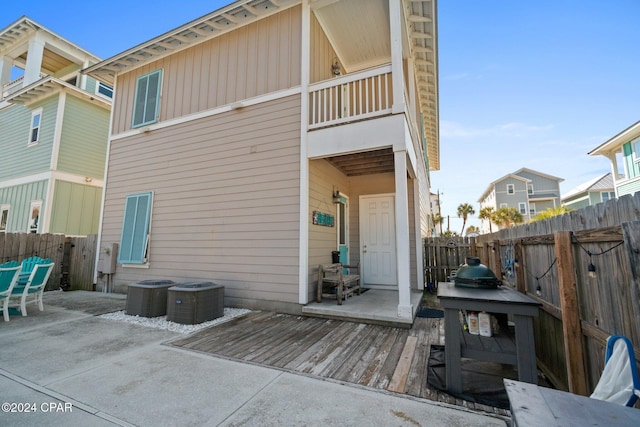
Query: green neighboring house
[
  {"x": 597, "y": 190},
  {"x": 54, "y": 125},
  {"x": 623, "y": 151}
]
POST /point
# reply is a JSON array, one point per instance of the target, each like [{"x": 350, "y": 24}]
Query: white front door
[{"x": 378, "y": 241}]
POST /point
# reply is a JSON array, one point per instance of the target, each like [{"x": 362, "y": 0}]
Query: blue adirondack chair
[
  {"x": 8, "y": 278},
  {"x": 34, "y": 286},
  {"x": 27, "y": 267}
]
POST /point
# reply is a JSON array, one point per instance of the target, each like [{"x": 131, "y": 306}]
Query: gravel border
[{"x": 162, "y": 322}]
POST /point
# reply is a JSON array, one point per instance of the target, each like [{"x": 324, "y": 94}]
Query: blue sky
[{"x": 522, "y": 84}]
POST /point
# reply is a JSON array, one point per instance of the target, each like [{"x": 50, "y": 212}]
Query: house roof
[
  {"x": 599, "y": 183},
  {"x": 616, "y": 142},
  {"x": 531, "y": 171},
  {"x": 347, "y": 39},
  {"x": 48, "y": 86},
  {"x": 16, "y": 34},
  {"x": 493, "y": 184},
  {"x": 516, "y": 175}
]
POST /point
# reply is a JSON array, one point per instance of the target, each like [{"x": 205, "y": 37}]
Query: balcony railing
[
  {"x": 13, "y": 86},
  {"x": 356, "y": 96}
]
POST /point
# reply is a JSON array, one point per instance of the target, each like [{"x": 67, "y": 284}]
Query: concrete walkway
[{"x": 67, "y": 367}]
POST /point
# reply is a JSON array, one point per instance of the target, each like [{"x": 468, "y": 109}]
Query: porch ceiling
[
  {"x": 359, "y": 32},
  {"x": 366, "y": 163}
]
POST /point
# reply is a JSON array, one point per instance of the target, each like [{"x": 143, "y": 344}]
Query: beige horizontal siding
[
  {"x": 226, "y": 200},
  {"x": 323, "y": 178},
  {"x": 256, "y": 59}
]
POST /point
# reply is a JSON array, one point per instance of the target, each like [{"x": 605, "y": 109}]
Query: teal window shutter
[
  {"x": 147, "y": 102},
  {"x": 135, "y": 229}
]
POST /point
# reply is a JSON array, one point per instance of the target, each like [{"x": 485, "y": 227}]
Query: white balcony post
[
  {"x": 34, "y": 61},
  {"x": 303, "y": 251},
  {"x": 405, "y": 309},
  {"x": 5, "y": 71},
  {"x": 395, "y": 26}
]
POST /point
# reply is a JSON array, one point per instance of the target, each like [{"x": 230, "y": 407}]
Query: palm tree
[
  {"x": 472, "y": 229},
  {"x": 551, "y": 212},
  {"x": 508, "y": 216},
  {"x": 487, "y": 213},
  {"x": 437, "y": 219},
  {"x": 464, "y": 210}
]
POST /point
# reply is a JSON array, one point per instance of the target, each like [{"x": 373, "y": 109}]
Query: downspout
[{"x": 104, "y": 184}]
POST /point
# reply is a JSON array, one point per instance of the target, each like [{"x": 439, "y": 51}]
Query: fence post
[
  {"x": 496, "y": 261},
  {"x": 632, "y": 249},
  {"x": 521, "y": 285},
  {"x": 473, "y": 250},
  {"x": 571, "y": 328}
]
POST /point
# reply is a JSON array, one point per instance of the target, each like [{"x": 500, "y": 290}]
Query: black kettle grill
[{"x": 476, "y": 275}]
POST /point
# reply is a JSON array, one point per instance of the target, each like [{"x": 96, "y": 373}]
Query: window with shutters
[
  {"x": 147, "y": 101},
  {"x": 134, "y": 242}
]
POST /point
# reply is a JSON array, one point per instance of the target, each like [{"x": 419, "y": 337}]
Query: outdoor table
[
  {"x": 500, "y": 348},
  {"x": 532, "y": 405}
]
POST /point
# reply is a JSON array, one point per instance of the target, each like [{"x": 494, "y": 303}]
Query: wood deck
[{"x": 382, "y": 357}]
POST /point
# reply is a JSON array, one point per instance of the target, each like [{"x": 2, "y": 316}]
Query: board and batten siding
[
  {"x": 19, "y": 198},
  {"x": 75, "y": 209},
  {"x": 83, "y": 141},
  {"x": 254, "y": 60},
  {"x": 323, "y": 180},
  {"x": 15, "y": 125},
  {"x": 322, "y": 53},
  {"x": 226, "y": 193}
]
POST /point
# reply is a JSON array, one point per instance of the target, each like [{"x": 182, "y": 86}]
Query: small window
[
  {"x": 607, "y": 195},
  {"x": 522, "y": 207},
  {"x": 530, "y": 189},
  {"x": 34, "y": 133},
  {"x": 34, "y": 216},
  {"x": 503, "y": 205},
  {"x": 4, "y": 216},
  {"x": 104, "y": 90},
  {"x": 145, "y": 110},
  {"x": 510, "y": 189},
  {"x": 636, "y": 148},
  {"x": 532, "y": 209},
  {"x": 135, "y": 229}
]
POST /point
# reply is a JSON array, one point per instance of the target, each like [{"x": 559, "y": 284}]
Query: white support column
[
  {"x": 411, "y": 87},
  {"x": 303, "y": 241},
  {"x": 395, "y": 26},
  {"x": 6, "y": 64},
  {"x": 417, "y": 221},
  {"x": 34, "y": 61},
  {"x": 405, "y": 309}
]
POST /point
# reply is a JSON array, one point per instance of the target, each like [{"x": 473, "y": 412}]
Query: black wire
[{"x": 588, "y": 252}]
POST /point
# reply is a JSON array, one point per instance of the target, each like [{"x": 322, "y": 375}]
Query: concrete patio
[{"x": 74, "y": 368}]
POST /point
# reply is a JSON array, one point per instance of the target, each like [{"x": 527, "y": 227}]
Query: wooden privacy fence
[
  {"x": 74, "y": 257},
  {"x": 584, "y": 268},
  {"x": 442, "y": 255}
]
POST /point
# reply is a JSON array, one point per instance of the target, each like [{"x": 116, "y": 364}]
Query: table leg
[
  {"x": 525, "y": 349},
  {"x": 452, "y": 349}
]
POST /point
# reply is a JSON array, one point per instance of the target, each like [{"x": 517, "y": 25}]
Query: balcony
[
  {"x": 351, "y": 98},
  {"x": 13, "y": 86}
]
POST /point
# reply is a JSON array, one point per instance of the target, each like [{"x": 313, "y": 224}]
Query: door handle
[{"x": 364, "y": 249}]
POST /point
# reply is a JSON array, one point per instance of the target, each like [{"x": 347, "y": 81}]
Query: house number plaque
[{"x": 320, "y": 218}]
